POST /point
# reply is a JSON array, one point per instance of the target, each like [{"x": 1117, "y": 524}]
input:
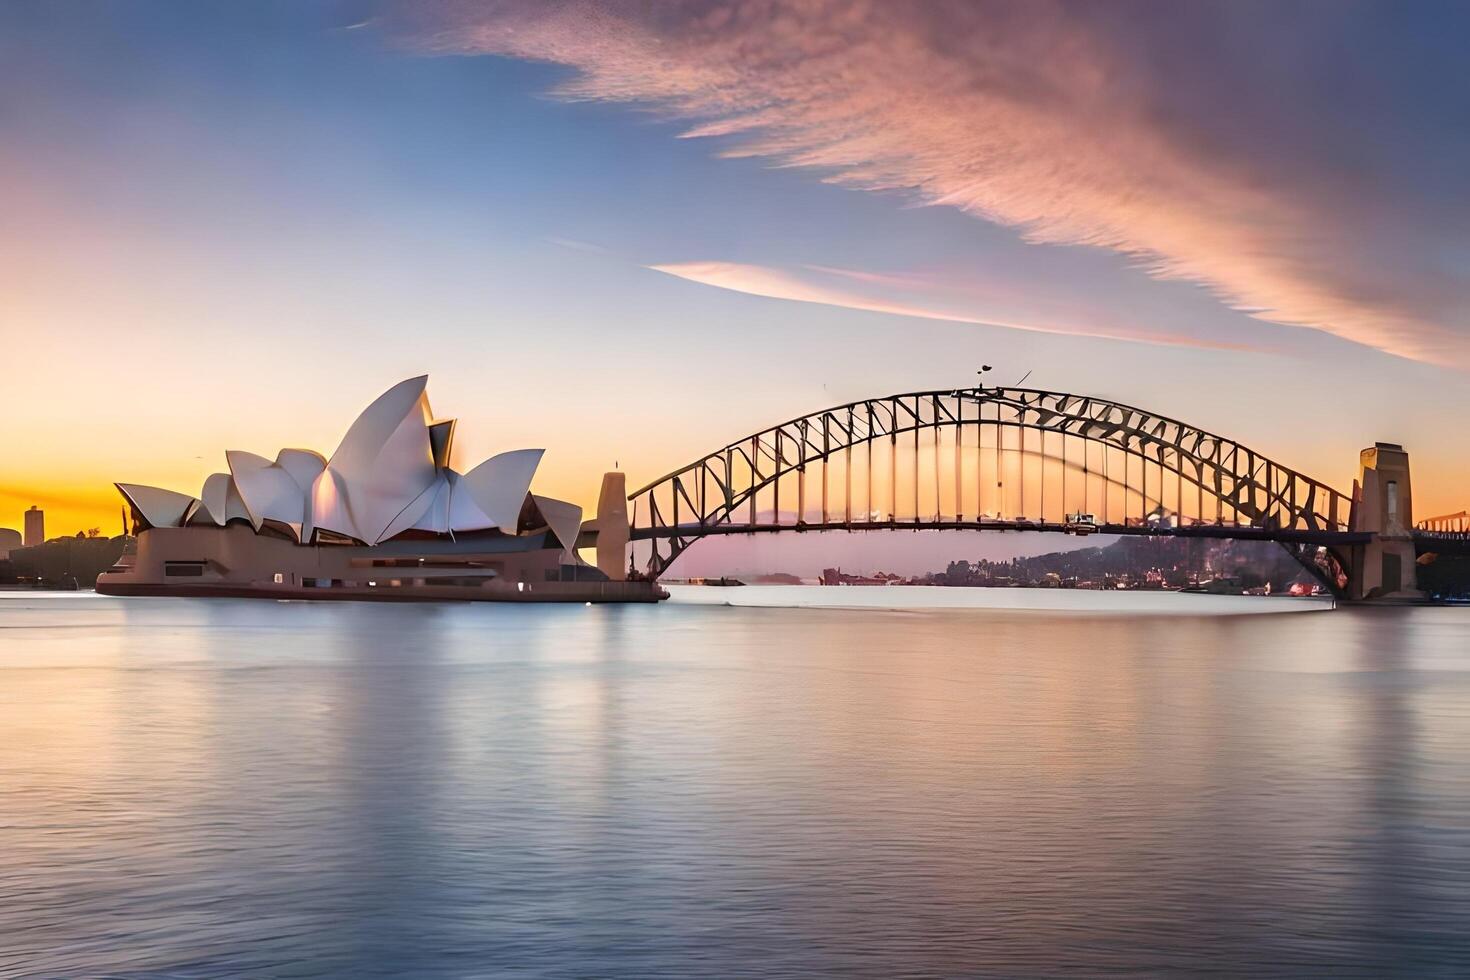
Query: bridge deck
[{"x": 688, "y": 531}]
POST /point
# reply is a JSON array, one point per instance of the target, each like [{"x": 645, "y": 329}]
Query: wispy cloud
[
  {"x": 1241, "y": 146},
  {"x": 577, "y": 245},
  {"x": 802, "y": 287},
  {"x": 900, "y": 280}
]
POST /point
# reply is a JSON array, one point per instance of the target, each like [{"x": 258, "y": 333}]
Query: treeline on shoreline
[{"x": 62, "y": 562}]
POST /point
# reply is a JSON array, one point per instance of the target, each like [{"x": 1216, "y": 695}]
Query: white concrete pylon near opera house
[{"x": 389, "y": 475}]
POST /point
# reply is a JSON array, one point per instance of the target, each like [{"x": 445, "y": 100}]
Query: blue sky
[{"x": 268, "y": 213}]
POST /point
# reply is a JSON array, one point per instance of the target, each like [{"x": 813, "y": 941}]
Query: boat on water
[
  {"x": 1224, "y": 585},
  {"x": 385, "y": 518}
]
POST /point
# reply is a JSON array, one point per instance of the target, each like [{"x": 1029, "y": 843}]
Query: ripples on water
[{"x": 217, "y": 788}]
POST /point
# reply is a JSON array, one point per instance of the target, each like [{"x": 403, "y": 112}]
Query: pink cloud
[
  {"x": 1036, "y": 115},
  {"x": 757, "y": 280},
  {"x": 904, "y": 280}
]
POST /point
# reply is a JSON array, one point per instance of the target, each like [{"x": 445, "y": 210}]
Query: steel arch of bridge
[{"x": 1203, "y": 485}]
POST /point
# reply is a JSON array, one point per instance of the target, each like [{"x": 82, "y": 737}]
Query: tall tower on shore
[
  {"x": 1385, "y": 508},
  {"x": 35, "y": 526}
]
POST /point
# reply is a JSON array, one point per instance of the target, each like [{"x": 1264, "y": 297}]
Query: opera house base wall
[
  {"x": 542, "y": 592},
  {"x": 234, "y": 561}
]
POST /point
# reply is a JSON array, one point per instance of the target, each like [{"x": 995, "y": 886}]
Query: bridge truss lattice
[{"x": 992, "y": 459}]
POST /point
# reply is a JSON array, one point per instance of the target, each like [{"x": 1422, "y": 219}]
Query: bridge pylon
[
  {"x": 1384, "y": 567},
  {"x": 612, "y": 526}
]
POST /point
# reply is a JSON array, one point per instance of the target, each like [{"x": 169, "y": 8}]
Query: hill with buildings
[{"x": 1140, "y": 562}]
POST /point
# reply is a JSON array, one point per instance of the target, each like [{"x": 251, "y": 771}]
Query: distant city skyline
[{"x": 233, "y": 225}]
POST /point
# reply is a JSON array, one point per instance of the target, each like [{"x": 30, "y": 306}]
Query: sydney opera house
[{"x": 384, "y": 518}]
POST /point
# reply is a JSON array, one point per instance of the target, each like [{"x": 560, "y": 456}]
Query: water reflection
[{"x": 211, "y": 788}]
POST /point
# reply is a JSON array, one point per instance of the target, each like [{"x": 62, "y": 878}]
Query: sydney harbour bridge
[{"x": 1020, "y": 459}]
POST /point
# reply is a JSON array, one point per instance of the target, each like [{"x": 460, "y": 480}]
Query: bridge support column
[
  {"x": 612, "y": 527},
  {"x": 1385, "y": 567}
]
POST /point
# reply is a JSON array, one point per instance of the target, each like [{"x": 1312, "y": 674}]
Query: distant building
[
  {"x": 35, "y": 526},
  {"x": 836, "y": 576},
  {"x": 9, "y": 540}
]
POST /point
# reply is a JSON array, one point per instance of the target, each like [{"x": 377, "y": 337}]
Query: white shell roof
[
  {"x": 389, "y": 474},
  {"x": 329, "y": 505},
  {"x": 215, "y": 496},
  {"x": 160, "y": 508},
  {"x": 269, "y": 491},
  {"x": 385, "y": 461},
  {"x": 499, "y": 485},
  {"x": 464, "y": 513},
  {"x": 565, "y": 521},
  {"x": 304, "y": 465}
]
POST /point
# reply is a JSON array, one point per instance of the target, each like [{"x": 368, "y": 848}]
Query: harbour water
[{"x": 736, "y": 783}]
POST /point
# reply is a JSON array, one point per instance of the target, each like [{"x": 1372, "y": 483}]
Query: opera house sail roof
[{"x": 388, "y": 479}]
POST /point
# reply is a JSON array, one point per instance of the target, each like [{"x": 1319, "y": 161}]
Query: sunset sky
[{"x": 635, "y": 231}]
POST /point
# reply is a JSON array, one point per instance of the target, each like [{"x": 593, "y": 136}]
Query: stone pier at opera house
[{"x": 385, "y": 517}]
